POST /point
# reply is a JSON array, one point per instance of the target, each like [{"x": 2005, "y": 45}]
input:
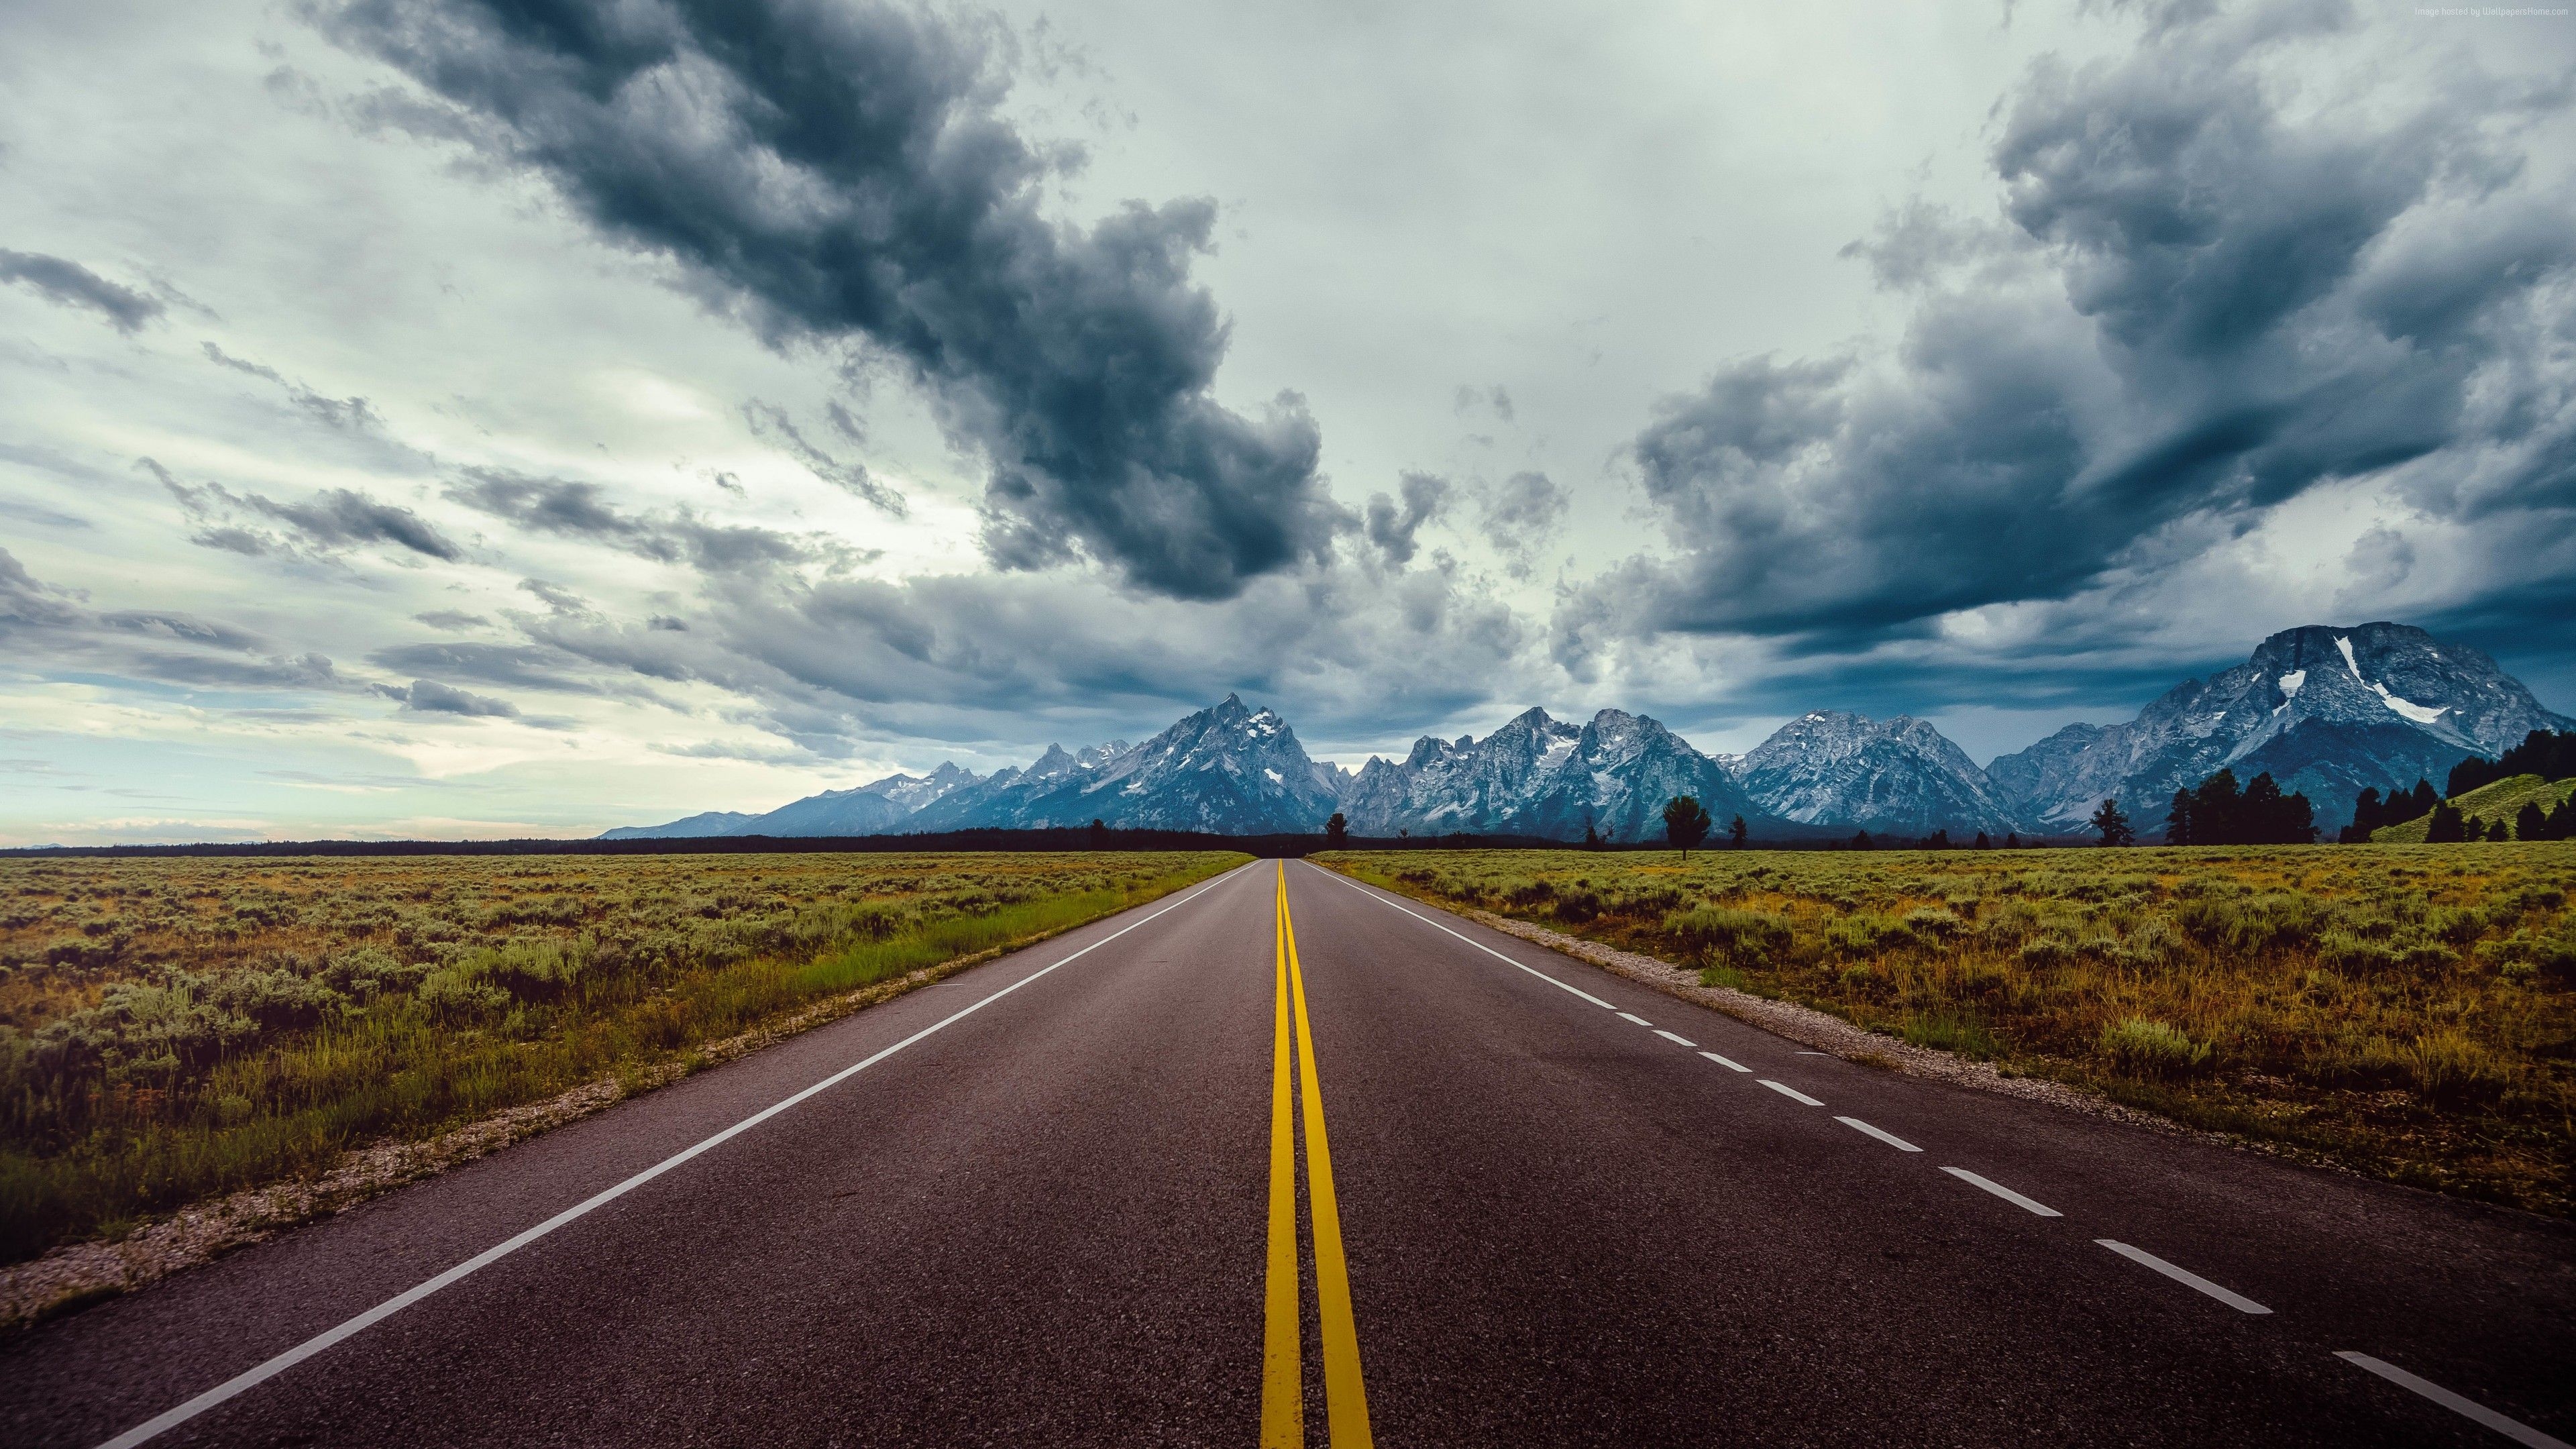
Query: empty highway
[{"x": 1285, "y": 1159}]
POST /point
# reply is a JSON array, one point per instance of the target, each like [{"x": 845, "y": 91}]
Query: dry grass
[
  {"x": 2409, "y": 1011},
  {"x": 172, "y": 1030}
]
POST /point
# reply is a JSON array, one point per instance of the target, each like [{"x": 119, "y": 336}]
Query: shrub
[
  {"x": 2146, "y": 1048},
  {"x": 1963, "y": 1032},
  {"x": 1719, "y": 930},
  {"x": 2452, "y": 1070}
]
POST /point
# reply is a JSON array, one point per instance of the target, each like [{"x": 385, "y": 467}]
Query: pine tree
[
  {"x": 2215, "y": 810},
  {"x": 1938, "y": 839},
  {"x": 1686, "y": 823},
  {"x": 1738, "y": 832},
  {"x": 2420, "y": 802},
  {"x": 2012, "y": 840},
  {"x": 2530, "y": 822},
  {"x": 1337, "y": 831},
  {"x": 2178, "y": 820},
  {"x": 1982, "y": 843},
  {"x": 2562, "y": 821},
  {"x": 2114, "y": 824},
  {"x": 2445, "y": 827}
]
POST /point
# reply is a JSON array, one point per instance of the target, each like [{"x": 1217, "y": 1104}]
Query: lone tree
[
  {"x": 1099, "y": 835},
  {"x": 1737, "y": 832},
  {"x": 2113, "y": 824},
  {"x": 1686, "y": 823},
  {"x": 1337, "y": 831}
]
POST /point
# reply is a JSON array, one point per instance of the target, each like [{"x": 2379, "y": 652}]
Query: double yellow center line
[{"x": 1283, "y": 1398}]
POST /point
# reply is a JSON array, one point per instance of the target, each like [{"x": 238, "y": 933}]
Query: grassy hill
[{"x": 2486, "y": 804}]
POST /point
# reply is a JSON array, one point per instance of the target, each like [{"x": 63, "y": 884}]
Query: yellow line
[
  {"x": 1345, "y": 1396},
  {"x": 1283, "y": 1395}
]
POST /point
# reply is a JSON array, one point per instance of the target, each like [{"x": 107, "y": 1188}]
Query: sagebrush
[
  {"x": 172, "y": 1029},
  {"x": 2406, "y": 1010}
]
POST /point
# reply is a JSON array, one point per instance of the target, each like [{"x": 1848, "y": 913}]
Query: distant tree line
[
  {"x": 2370, "y": 813},
  {"x": 2548, "y": 754},
  {"x": 2219, "y": 813}
]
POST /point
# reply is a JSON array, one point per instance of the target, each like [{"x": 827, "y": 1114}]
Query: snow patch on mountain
[
  {"x": 2402, "y": 708},
  {"x": 1898, "y": 776}
]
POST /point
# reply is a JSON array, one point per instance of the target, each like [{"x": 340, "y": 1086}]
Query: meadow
[
  {"x": 173, "y": 1029},
  {"x": 2405, "y": 1011}
]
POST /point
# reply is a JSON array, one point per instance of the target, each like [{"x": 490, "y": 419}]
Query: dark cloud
[
  {"x": 43, "y": 624},
  {"x": 845, "y": 173},
  {"x": 1524, "y": 511},
  {"x": 772, "y": 425},
  {"x": 518, "y": 666},
  {"x": 555, "y": 597},
  {"x": 428, "y": 696},
  {"x": 1391, "y": 525},
  {"x": 74, "y": 285},
  {"x": 571, "y": 508},
  {"x": 347, "y": 414},
  {"x": 332, "y": 520},
  {"x": 456, "y": 619},
  {"x": 2198, "y": 301},
  {"x": 832, "y": 662}
]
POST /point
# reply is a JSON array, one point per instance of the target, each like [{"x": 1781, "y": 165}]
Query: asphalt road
[{"x": 1553, "y": 1216}]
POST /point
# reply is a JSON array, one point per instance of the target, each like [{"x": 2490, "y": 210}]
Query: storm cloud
[
  {"x": 845, "y": 173},
  {"x": 2196, "y": 302},
  {"x": 74, "y": 285},
  {"x": 572, "y": 508},
  {"x": 328, "y": 521}
]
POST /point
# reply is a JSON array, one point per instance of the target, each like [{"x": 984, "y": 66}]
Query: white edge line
[
  {"x": 1790, "y": 1092},
  {"x": 1723, "y": 1062},
  {"x": 2184, "y": 1276},
  {"x": 253, "y": 1377},
  {"x": 1866, "y": 1130},
  {"x": 2461, "y": 1405},
  {"x": 2001, "y": 1191},
  {"x": 1479, "y": 945},
  {"x": 1632, "y": 1016},
  {"x": 1676, "y": 1040}
]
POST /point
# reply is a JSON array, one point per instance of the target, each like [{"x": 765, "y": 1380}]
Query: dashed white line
[
  {"x": 1789, "y": 1092},
  {"x": 2184, "y": 1276},
  {"x": 2466, "y": 1408},
  {"x": 1632, "y": 1016},
  {"x": 1678, "y": 1040},
  {"x": 1479, "y": 945},
  {"x": 1866, "y": 1130},
  {"x": 1723, "y": 1062},
  {"x": 253, "y": 1377},
  {"x": 2001, "y": 1191}
]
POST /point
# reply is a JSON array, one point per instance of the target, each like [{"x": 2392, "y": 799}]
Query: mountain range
[{"x": 2326, "y": 711}]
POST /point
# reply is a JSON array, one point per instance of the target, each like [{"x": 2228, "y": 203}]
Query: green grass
[
  {"x": 2485, "y": 805},
  {"x": 281, "y": 1015},
  {"x": 2409, "y": 1011}
]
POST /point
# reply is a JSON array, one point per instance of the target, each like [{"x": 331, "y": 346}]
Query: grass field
[
  {"x": 178, "y": 1028},
  {"x": 2486, "y": 805},
  {"x": 2408, "y": 1011}
]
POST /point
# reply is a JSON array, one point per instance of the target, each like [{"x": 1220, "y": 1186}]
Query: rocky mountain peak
[
  {"x": 1899, "y": 776},
  {"x": 2326, "y": 710}
]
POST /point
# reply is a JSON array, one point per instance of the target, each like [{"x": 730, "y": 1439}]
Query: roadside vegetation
[
  {"x": 173, "y": 1029},
  {"x": 2407, "y": 1011}
]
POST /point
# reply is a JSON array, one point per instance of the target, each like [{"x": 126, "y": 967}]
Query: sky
[{"x": 480, "y": 418}]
